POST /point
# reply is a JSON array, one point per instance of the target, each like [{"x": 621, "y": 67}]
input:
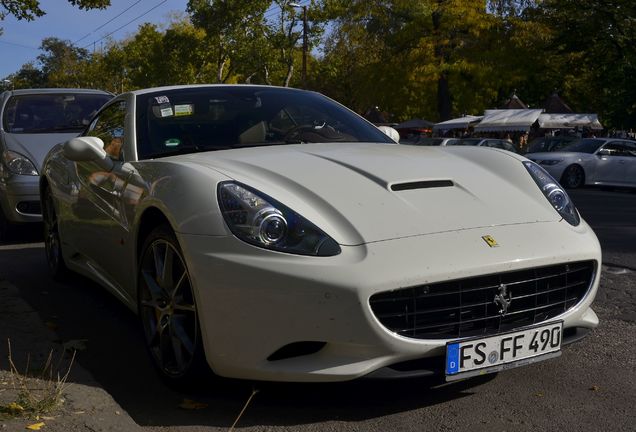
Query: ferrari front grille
[{"x": 484, "y": 305}]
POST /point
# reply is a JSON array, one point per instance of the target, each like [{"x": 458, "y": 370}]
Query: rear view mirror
[{"x": 85, "y": 149}]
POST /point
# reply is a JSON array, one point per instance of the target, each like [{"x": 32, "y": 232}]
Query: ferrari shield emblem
[{"x": 490, "y": 241}]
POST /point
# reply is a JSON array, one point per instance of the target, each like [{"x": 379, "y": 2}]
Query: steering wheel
[{"x": 295, "y": 134}]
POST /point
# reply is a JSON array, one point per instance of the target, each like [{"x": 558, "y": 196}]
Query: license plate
[{"x": 478, "y": 356}]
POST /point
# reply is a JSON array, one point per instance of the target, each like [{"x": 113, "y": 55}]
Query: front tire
[
  {"x": 573, "y": 177},
  {"x": 168, "y": 311},
  {"x": 52, "y": 242}
]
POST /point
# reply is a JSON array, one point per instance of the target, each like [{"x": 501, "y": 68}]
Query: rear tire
[
  {"x": 168, "y": 312},
  {"x": 573, "y": 177},
  {"x": 52, "y": 241}
]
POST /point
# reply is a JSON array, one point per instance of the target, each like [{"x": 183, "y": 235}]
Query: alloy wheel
[
  {"x": 574, "y": 176},
  {"x": 167, "y": 308},
  {"x": 51, "y": 235}
]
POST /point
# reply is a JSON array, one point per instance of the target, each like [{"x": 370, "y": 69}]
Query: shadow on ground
[{"x": 115, "y": 356}]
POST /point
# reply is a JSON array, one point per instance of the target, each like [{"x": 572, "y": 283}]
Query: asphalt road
[{"x": 591, "y": 387}]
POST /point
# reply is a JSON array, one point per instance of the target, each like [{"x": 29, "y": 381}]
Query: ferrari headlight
[
  {"x": 554, "y": 193},
  {"x": 18, "y": 164},
  {"x": 262, "y": 221}
]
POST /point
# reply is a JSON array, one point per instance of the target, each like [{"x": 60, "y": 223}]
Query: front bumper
[
  {"x": 252, "y": 302},
  {"x": 20, "y": 199}
]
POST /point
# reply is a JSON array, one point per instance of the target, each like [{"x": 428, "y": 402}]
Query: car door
[
  {"x": 611, "y": 163},
  {"x": 629, "y": 154},
  {"x": 102, "y": 226}
]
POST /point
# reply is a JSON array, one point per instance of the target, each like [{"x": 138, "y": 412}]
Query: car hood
[
  {"x": 556, "y": 155},
  {"x": 360, "y": 193},
  {"x": 35, "y": 146}
]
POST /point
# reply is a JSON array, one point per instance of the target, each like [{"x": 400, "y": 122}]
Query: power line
[
  {"x": 109, "y": 21},
  {"x": 128, "y": 23},
  {"x": 19, "y": 45}
]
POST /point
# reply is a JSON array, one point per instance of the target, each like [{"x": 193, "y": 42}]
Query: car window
[
  {"x": 586, "y": 145},
  {"x": 466, "y": 141},
  {"x": 188, "y": 120},
  {"x": 109, "y": 127},
  {"x": 50, "y": 113},
  {"x": 620, "y": 148}
]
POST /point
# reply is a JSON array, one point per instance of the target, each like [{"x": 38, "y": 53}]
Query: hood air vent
[{"x": 422, "y": 185}]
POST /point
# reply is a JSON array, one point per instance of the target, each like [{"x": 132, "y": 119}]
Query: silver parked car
[
  {"x": 486, "y": 142},
  {"x": 33, "y": 121},
  {"x": 591, "y": 161}
]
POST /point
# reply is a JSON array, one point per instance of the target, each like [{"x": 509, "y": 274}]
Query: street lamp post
[{"x": 305, "y": 44}]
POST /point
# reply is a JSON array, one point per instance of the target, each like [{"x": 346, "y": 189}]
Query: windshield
[
  {"x": 588, "y": 145},
  {"x": 466, "y": 141},
  {"x": 543, "y": 144},
  {"x": 51, "y": 113},
  {"x": 422, "y": 141},
  {"x": 214, "y": 118}
]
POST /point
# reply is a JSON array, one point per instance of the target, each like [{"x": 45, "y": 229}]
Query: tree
[{"x": 30, "y": 9}]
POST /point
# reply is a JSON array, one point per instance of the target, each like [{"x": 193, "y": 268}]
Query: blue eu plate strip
[{"x": 452, "y": 359}]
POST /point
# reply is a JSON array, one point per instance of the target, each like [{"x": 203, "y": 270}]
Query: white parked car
[
  {"x": 591, "y": 161},
  {"x": 272, "y": 234}
]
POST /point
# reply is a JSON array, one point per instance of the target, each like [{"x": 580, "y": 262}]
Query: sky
[{"x": 20, "y": 40}]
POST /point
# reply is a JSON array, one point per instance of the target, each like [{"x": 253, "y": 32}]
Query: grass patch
[{"x": 38, "y": 391}]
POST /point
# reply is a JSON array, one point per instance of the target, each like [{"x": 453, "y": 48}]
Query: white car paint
[{"x": 252, "y": 301}]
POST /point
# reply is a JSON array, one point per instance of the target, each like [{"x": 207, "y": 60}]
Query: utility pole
[
  {"x": 304, "y": 72},
  {"x": 305, "y": 42}
]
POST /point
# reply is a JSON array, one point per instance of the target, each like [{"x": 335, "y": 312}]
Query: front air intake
[{"x": 468, "y": 307}]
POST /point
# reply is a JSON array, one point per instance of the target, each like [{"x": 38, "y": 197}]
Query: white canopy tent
[
  {"x": 569, "y": 121},
  {"x": 457, "y": 123},
  {"x": 508, "y": 120}
]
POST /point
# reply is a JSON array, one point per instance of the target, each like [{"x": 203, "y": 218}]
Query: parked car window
[
  {"x": 202, "y": 119},
  {"x": 620, "y": 148},
  {"x": 109, "y": 127},
  {"x": 46, "y": 113},
  {"x": 466, "y": 141},
  {"x": 548, "y": 144},
  {"x": 586, "y": 145}
]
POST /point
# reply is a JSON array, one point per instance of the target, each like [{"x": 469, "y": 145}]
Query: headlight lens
[
  {"x": 554, "y": 193},
  {"x": 262, "y": 221},
  {"x": 18, "y": 164}
]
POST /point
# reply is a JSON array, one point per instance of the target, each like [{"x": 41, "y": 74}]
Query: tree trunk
[{"x": 443, "y": 98}]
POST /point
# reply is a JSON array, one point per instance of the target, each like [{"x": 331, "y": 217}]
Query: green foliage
[
  {"x": 432, "y": 59},
  {"x": 30, "y": 9}
]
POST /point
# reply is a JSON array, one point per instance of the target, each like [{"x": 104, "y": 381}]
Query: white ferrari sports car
[{"x": 272, "y": 234}]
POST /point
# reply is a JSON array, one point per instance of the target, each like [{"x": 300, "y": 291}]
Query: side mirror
[
  {"x": 84, "y": 149},
  {"x": 604, "y": 152},
  {"x": 392, "y": 133}
]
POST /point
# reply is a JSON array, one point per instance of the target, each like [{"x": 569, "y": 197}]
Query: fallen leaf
[
  {"x": 595, "y": 388},
  {"x": 78, "y": 412},
  {"x": 189, "y": 404},
  {"x": 539, "y": 394},
  {"x": 35, "y": 426},
  {"x": 75, "y": 345},
  {"x": 117, "y": 412},
  {"x": 47, "y": 418},
  {"x": 14, "y": 408}
]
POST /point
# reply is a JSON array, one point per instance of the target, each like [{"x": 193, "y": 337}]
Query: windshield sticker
[
  {"x": 172, "y": 142},
  {"x": 162, "y": 100},
  {"x": 166, "y": 112},
  {"x": 183, "y": 110}
]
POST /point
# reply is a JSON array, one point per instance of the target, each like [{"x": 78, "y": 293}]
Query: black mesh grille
[{"x": 466, "y": 307}]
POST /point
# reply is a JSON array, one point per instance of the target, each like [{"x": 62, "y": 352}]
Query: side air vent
[
  {"x": 422, "y": 185},
  {"x": 296, "y": 349}
]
